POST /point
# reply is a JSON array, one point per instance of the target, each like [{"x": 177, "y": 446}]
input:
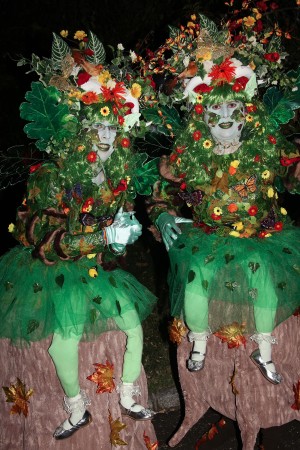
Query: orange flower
[
  {"x": 88, "y": 98},
  {"x": 232, "y": 170},
  {"x": 232, "y": 207},
  {"x": 223, "y": 72}
]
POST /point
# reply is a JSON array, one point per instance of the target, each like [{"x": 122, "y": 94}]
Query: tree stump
[
  {"x": 231, "y": 384},
  {"x": 34, "y": 367}
]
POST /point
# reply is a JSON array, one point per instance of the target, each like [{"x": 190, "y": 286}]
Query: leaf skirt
[
  {"x": 251, "y": 281},
  {"x": 36, "y": 300}
]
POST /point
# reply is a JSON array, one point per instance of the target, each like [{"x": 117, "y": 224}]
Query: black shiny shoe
[
  {"x": 144, "y": 414},
  {"x": 61, "y": 433},
  {"x": 272, "y": 377},
  {"x": 193, "y": 365}
]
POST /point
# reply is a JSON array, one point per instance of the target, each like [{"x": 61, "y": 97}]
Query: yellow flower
[
  {"x": 257, "y": 124},
  {"x": 178, "y": 162},
  {"x": 234, "y": 233},
  {"x": 136, "y": 90},
  {"x": 206, "y": 55},
  {"x": 199, "y": 98},
  {"x": 194, "y": 17},
  {"x": 104, "y": 77},
  {"x": 266, "y": 174},
  {"x": 252, "y": 65},
  {"x": 105, "y": 111},
  {"x": 270, "y": 192},
  {"x": 91, "y": 255},
  {"x": 80, "y": 35},
  {"x": 283, "y": 211},
  {"x": 238, "y": 226},
  {"x": 235, "y": 163},
  {"x": 249, "y": 118},
  {"x": 217, "y": 211},
  {"x": 64, "y": 33},
  {"x": 249, "y": 21},
  {"x": 80, "y": 148},
  {"x": 207, "y": 143},
  {"x": 268, "y": 235},
  {"x": 257, "y": 13},
  {"x": 11, "y": 227},
  {"x": 190, "y": 25}
]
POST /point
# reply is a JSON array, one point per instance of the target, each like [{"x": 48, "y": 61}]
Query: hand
[
  {"x": 168, "y": 228},
  {"x": 124, "y": 230}
]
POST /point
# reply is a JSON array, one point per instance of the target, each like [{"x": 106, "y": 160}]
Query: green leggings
[{"x": 64, "y": 353}]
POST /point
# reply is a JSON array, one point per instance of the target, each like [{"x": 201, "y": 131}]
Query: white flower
[
  {"x": 120, "y": 47},
  {"x": 274, "y": 82},
  {"x": 133, "y": 55},
  {"x": 111, "y": 84},
  {"x": 186, "y": 61},
  {"x": 253, "y": 40}
]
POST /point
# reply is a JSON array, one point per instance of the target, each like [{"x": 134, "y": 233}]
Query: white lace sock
[
  {"x": 76, "y": 406},
  {"x": 200, "y": 342},
  {"x": 265, "y": 341},
  {"x": 127, "y": 391}
]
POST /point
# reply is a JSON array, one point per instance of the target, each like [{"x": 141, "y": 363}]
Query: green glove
[
  {"x": 168, "y": 228},
  {"x": 124, "y": 230}
]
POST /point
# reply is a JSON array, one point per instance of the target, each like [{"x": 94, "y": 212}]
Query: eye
[
  {"x": 232, "y": 105},
  {"x": 216, "y": 107}
]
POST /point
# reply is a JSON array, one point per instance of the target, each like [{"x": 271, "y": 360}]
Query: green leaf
[
  {"x": 208, "y": 259},
  {"x": 59, "y": 280},
  {"x": 205, "y": 284},
  {"x": 97, "y": 300},
  {"x": 145, "y": 174},
  {"x": 191, "y": 276},
  {"x": 83, "y": 280},
  {"x": 37, "y": 287},
  {"x": 48, "y": 119},
  {"x": 118, "y": 307},
  {"x": 151, "y": 115},
  {"x": 59, "y": 50},
  {"x": 209, "y": 26},
  {"x": 271, "y": 98},
  {"x": 174, "y": 31},
  {"x": 32, "y": 325},
  {"x": 112, "y": 281},
  {"x": 97, "y": 48},
  {"x": 8, "y": 285},
  {"x": 195, "y": 249},
  {"x": 228, "y": 258}
]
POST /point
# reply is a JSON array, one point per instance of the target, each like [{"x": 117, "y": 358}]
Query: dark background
[{"x": 27, "y": 26}]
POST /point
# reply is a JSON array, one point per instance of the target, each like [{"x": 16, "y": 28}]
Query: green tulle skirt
[
  {"x": 252, "y": 281},
  {"x": 37, "y": 300}
]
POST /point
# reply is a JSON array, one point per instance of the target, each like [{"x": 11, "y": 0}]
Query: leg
[
  {"x": 132, "y": 368},
  {"x": 64, "y": 353},
  {"x": 196, "y": 316},
  {"x": 264, "y": 315}
]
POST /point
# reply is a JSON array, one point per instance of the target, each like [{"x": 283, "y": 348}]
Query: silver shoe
[
  {"x": 273, "y": 377},
  {"x": 61, "y": 433},
  {"x": 195, "y": 366},
  {"x": 144, "y": 414}
]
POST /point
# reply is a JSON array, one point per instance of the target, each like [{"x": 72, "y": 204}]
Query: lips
[
  {"x": 225, "y": 125},
  {"x": 104, "y": 147}
]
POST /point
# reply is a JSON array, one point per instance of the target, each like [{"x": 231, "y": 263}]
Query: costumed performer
[
  {"x": 237, "y": 263},
  {"x": 73, "y": 227}
]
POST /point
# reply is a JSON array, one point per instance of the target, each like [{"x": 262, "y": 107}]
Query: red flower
[
  {"x": 224, "y": 72},
  {"x": 272, "y": 57},
  {"x": 88, "y": 52},
  {"x": 197, "y": 135},
  {"x": 182, "y": 175},
  {"x": 251, "y": 108},
  {"x": 180, "y": 149},
  {"x": 278, "y": 226},
  {"x": 121, "y": 120},
  {"x": 122, "y": 186},
  {"x": 86, "y": 206},
  {"x": 83, "y": 77},
  {"x": 114, "y": 94},
  {"x": 262, "y": 234},
  {"x": 199, "y": 109},
  {"x": 34, "y": 168},
  {"x": 173, "y": 157},
  {"x": 183, "y": 186},
  {"x": 272, "y": 139},
  {"x": 203, "y": 88},
  {"x": 125, "y": 143},
  {"x": 258, "y": 26},
  {"x": 262, "y": 6},
  {"x": 92, "y": 157},
  {"x": 129, "y": 106},
  {"x": 252, "y": 211},
  {"x": 216, "y": 217},
  {"x": 88, "y": 98},
  {"x": 256, "y": 158}
]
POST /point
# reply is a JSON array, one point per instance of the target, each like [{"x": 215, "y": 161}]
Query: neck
[{"x": 226, "y": 148}]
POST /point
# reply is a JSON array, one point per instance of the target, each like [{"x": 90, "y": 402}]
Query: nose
[
  {"x": 224, "y": 110},
  {"x": 106, "y": 133}
]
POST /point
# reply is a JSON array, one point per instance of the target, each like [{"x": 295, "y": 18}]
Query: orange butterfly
[{"x": 248, "y": 186}]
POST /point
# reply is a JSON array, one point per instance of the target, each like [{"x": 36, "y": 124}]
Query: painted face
[
  {"x": 107, "y": 134},
  {"x": 225, "y": 120}
]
